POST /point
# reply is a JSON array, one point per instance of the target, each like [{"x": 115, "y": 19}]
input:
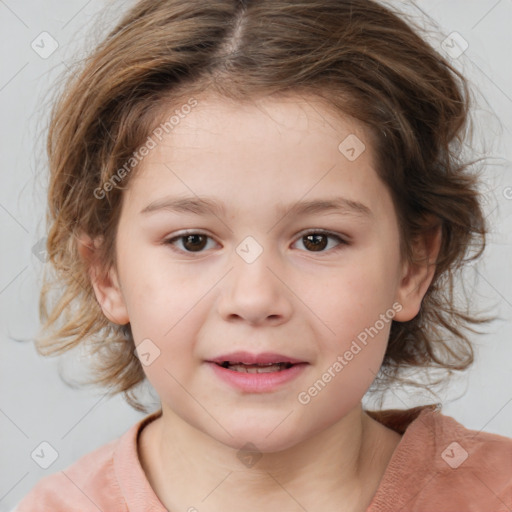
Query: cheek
[
  {"x": 161, "y": 298},
  {"x": 165, "y": 316},
  {"x": 340, "y": 387},
  {"x": 354, "y": 297},
  {"x": 359, "y": 314},
  {"x": 355, "y": 306}
]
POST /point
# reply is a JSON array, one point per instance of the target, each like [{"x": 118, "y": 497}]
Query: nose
[{"x": 255, "y": 293}]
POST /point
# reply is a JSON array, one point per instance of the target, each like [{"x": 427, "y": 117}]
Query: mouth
[
  {"x": 245, "y": 362},
  {"x": 257, "y": 373},
  {"x": 254, "y": 368}
]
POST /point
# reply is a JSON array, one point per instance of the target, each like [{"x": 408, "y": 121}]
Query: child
[{"x": 267, "y": 199}]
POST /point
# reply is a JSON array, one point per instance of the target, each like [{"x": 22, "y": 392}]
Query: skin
[{"x": 253, "y": 158}]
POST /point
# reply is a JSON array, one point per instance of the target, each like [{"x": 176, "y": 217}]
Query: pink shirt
[{"x": 438, "y": 466}]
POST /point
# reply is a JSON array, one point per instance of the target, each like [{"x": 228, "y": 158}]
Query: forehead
[
  {"x": 291, "y": 118},
  {"x": 275, "y": 149}
]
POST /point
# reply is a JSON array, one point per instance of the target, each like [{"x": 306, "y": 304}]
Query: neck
[{"x": 189, "y": 468}]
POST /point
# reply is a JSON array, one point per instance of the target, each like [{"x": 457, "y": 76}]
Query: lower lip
[{"x": 258, "y": 382}]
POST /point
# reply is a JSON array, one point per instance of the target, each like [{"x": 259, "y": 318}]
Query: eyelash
[{"x": 329, "y": 234}]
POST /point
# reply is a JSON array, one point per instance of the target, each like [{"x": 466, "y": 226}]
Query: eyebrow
[{"x": 203, "y": 206}]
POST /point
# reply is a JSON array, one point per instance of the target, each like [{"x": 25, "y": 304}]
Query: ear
[
  {"x": 417, "y": 274},
  {"x": 106, "y": 285}
]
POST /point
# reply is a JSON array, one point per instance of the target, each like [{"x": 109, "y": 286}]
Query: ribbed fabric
[
  {"x": 441, "y": 466},
  {"x": 438, "y": 466}
]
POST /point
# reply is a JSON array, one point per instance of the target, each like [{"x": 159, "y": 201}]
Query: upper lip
[{"x": 248, "y": 358}]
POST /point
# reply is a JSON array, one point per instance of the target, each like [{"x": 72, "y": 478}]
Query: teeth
[
  {"x": 256, "y": 369},
  {"x": 260, "y": 368}
]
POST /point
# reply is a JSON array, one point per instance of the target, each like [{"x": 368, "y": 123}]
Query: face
[{"x": 260, "y": 233}]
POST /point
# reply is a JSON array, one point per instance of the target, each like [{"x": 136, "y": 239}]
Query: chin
[
  {"x": 249, "y": 440},
  {"x": 261, "y": 436}
]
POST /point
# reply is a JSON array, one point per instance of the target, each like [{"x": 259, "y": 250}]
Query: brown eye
[
  {"x": 321, "y": 241},
  {"x": 315, "y": 241},
  {"x": 194, "y": 242},
  {"x": 191, "y": 242}
]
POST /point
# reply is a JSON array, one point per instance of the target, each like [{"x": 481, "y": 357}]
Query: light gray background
[{"x": 36, "y": 406}]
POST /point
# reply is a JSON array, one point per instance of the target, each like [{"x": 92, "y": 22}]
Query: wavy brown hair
[{"x": 361, "y": 57}]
